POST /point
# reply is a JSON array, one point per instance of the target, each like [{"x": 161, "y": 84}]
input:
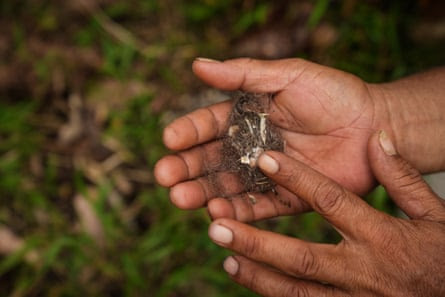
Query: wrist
[{"x": 414, "y": 120}]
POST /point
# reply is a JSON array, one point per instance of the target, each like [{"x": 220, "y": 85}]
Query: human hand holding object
[
  {"x": 379, "y": 255},
  {"x": 324, "y": 115}
]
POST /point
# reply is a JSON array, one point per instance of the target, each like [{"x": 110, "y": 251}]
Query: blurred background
[{"x": 85, "y": 89}]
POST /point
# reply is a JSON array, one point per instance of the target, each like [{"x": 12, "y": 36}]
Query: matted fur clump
[{"x": 250, "y": 133}]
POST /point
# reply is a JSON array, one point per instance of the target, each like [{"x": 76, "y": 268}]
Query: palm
[
  {"x": 325, "y": 117},
  {"x": 327, "y": 126}
]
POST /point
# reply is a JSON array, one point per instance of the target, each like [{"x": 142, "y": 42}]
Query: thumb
[
  {"x": 249, "y": 74},
  {"x": 403, "y": 182}
]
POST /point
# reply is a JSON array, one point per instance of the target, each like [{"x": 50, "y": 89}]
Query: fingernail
[
  {"x": 268, "y": 164},
  {"x": 220, "y": 233},
  {"x": 170, "y": 137},
  {"x": 231, "y": 266},
  {"x": 386, "y": 144},
  {"x": 201, "y": 59}
]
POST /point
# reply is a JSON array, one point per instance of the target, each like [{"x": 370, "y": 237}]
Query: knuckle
[
  {"x": 244, "y": 62},
  {"x": 192, "y": 123},
  {"x": 213, "y": 120},
  {"x": 386, "y": 243},
  {"x": 306, "y": 264},
  {"x": 296, "y": 63},
  {"x": 252, "y": 281},
  {"x": 294, "y": 290},
  {"x": 328, "y": 198},
  {"x": 290, "y": 179},
  {"x": 251, "y": 246},
  {"x": 427, "y": 212},
  {"x": 407, "y": 178}
]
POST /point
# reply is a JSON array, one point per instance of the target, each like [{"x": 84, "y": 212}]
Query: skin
[
  {"x": 379, "y": 255},
  {"x": 330, "y": 122},
  {"x": 326, "y": 117}
]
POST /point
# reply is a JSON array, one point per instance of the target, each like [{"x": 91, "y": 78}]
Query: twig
[{"x": 119, "y": 32}]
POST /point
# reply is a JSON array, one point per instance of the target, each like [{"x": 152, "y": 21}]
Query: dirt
[{"x": 250, "y": 133}]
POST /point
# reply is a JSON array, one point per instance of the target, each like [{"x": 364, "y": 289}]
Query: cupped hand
[
  {"x": 324, "y": 115},
  {"x": 379, "y": 255}
]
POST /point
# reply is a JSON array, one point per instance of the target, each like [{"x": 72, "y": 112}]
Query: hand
[
  {"x": 378, "y": 256},
  {"x": 325, "y": 116}
]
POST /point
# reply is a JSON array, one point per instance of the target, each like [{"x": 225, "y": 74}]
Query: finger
[
  {"x": 196, "y": 193},
  {"x": 267, "y": 282},
  {"x": 188, "y": 164},
  {"x": 197, "y": 127},
  {"x": 351, "y": 216},
  {"x": 249, "y": 74},
  {"x": 313, "y": 261},
  {"x": 250, "y": 207},
  {"x": 403, "y": 183}
]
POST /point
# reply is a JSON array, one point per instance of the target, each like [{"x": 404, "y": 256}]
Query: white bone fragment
[
  {"x": 252, "y": 198},
  {"x": 253, "y": 157},
  {"x": 232, "y": 130},
  {"x": 263, "y": 126},
  {"x": 245, "y": 159},
  {"x": 249, "y": 125}
]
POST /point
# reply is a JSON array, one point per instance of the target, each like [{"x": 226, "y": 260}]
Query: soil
[{"x": 250, "y": 133}]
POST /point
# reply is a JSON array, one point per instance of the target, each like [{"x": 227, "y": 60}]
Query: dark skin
[
  {"x": 339, "y": 135},
  {"x": 379, "y": 255},
  {"x": 327, "y": 118}
]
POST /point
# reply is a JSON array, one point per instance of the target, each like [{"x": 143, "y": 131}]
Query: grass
[{"x": 144, "y": 246}]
